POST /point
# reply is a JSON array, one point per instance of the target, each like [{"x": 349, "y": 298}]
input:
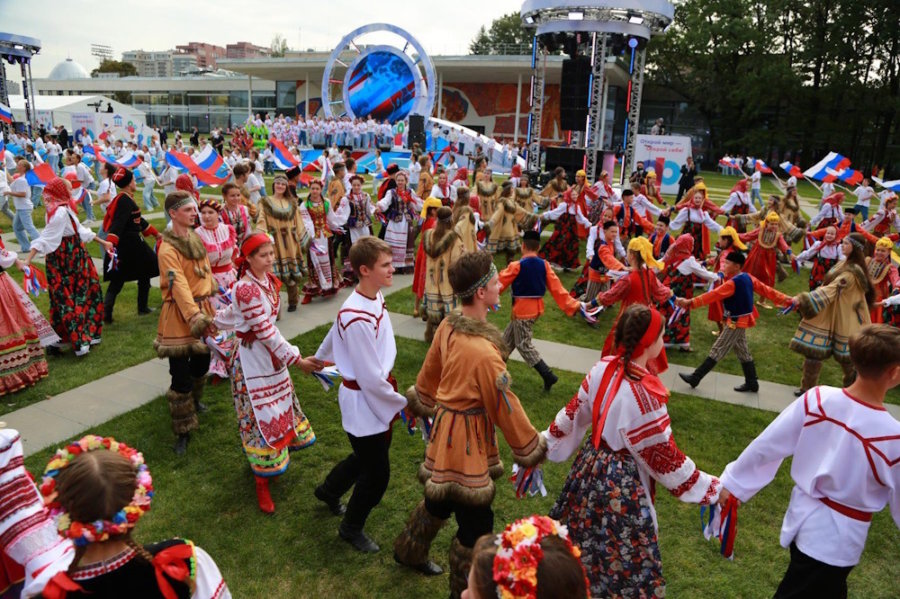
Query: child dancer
[
  {"x": 824, "y": 254},
  {"x": 681, "y": 272}
]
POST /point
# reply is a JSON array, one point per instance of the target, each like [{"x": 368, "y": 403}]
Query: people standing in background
[
  {"x": 686, "y": 181},
  {"x": 20, "y": 190}
]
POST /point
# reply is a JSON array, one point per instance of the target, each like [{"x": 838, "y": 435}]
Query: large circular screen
[{"x": 381, "y": 85}]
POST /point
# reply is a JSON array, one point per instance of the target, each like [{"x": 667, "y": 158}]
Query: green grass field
[{"x": 208, "y": 496}]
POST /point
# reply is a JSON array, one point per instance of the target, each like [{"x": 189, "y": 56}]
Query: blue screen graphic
[{"x": 382, "y": 86}]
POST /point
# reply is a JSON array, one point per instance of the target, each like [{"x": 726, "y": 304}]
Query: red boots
[{"x": 263, "y": 496}]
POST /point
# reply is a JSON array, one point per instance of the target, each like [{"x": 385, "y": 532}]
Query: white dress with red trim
[
  {"x": 846, "y": 467},
  {"x": 221, "y": 247}
]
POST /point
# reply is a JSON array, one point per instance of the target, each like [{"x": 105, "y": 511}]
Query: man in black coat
[
  {"x": 688, "y": 172},
  {"x": 126, "y": 229},
  {"x": 63, "y": 137}
]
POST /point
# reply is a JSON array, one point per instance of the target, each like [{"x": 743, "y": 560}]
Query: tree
[
  {"x": 506, "y": 35},
  {"x": 279, "y": 45},
  {"x": 124, "y": 69}
]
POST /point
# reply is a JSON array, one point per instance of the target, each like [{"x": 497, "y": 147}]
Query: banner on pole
[{"x": 665, "y": 154}]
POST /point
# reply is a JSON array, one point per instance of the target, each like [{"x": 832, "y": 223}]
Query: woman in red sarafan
[{"x": 766, "y": 240}]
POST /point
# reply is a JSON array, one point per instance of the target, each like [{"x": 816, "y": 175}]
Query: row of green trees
[{"x": 777, "y": 76}]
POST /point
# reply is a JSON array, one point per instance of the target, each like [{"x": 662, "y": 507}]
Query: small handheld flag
[
  {"x": 34, "y": 281},
  {"x": 327, "y": 377},
  {"x": 528, "y": 480},
  {"x": 113, "y": 265}
]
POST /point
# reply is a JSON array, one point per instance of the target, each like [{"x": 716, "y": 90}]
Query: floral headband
[
  {"x": 482, "y": 282},
  {"x": 83, "y": 533},
  {"x": 519, "y": 553}
]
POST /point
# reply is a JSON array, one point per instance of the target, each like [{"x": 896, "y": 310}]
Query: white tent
[{"x": 75, "y": 112}]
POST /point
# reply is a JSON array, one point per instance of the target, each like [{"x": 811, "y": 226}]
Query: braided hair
[{"x": 631, "y": 327}]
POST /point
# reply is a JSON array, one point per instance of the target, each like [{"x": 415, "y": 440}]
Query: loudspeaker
[
  {"x": 416, "y": 133},
  {"x": 571, "y": 159},
  {"x": 574, "y": 93}
]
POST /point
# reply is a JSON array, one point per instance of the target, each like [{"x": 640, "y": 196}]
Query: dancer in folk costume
[
  {"x": 530, "y": 278},
  {"x": 738, "y": 202},
  {"x": 791, "y": 232},
  {"x": 729, "y": 241},
  {"x": 631, "y": 448},
  {"x": 831, "y": 212},
  {"x": 488, "y": 193},
  {"x": 884, "y": 219},
  {"x": 76, "y": 301},
  {"x": 884, "y": 276},
  {"x": 126, "y": 229},
  {"x": 696, "y": 221},
  {"x": 736, "y": 296},
  {"x": 429, "y": 220},
  {"x": 843, "y": 445},
  {"x": 660, "y": 237},
  {"x": 465, "y": 386},
  {"x": 584, "y": 196},
  {"x": 681, "y": 272},
  {"x": 336, "y": 196},
  {"x": 360, "y": 211},
  {"x": 506, "y": 223},
  {"x": 765, "y": 242},
  {"x": 708, "y": 205},
  {"x": 234, "y": 213},
  {"x": 426, "y": 181},
  {"x": 824, "y": 254},
  {"x": 631, "y": 223},
  {"x": 642, "y": 205},
  {"x": 833, "y": 313},
  {"x": 279, "y": 216},
  {"x": 790, "y": 207},
  {"x": 270, "y": 421},
  {"x": 361, "y": 345},
  {"x": 604, "y": 251},
  {"x": 401, "y": 207},
  {"x": 561, "y": 250},
  {"x": 652, "y": 188},
  {"x": 443, "y": 190},
  {"x": 527, "y": 197},
  {"x": 467, "y": 223},
  {"x": 24, "y": 332},
  {"x": 220, "y": 241},
  {"x": 320, "y": 222},
  {"x": 443, "y": 246},
  {"x": 606, "y": 197},
  {"x": 639, "y": 286},
  {"x": 555, "y": 188}
]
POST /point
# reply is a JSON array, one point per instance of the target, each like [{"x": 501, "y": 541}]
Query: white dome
[{"x": 68, "y": 69}]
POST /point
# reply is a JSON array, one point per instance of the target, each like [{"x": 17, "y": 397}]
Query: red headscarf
[
  {"x": 250, "y": 245},
  {"x": 835, "y": 199},
  {"x": 56, "y": 195},
  {"x": 185, "y": 183},
  {"x": 615, "y": 372},
  {"x": 516, "y": 171},
  {"x": 462, "y": 175},
  {"x": 680, "y": 250},
  {"x": 740, "y": 186}
]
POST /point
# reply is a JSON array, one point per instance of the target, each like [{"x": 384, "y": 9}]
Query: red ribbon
[
  {"x": 171, "y": 562},
  {"x": 59, "y": 586}
]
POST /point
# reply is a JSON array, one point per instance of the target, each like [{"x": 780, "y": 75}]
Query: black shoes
[
  {"x": 546, "y": 374},
  {"x": 334, "y": 506},
  {"x": 181, "y": 443},
  {"x": 695, "y": 377},
  {"x": 428, "y": 568},
  {"x": 751, "y": 383},
  {"x": 358, "y": 539}
]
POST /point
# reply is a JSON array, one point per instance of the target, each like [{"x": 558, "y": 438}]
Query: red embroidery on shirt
[
  {"x": 663, "y": 458},
  {"x": 572, "y": 406},
  {"x": 686, "y": 485},
  {"x": 555, "y": 432},
  {"x": 246, "y": 293}
]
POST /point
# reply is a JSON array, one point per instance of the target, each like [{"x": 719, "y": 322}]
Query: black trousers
[
  {"x": 808, "y": 577},
  {"x": 187, "y": 368},
  {"x": 367, "y": 470},
  {"x": 116, "y": 286},
  {"x": 471, "y": 521}
]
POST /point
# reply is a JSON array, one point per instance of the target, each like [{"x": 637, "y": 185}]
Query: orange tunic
[
  {"x": 527, "y": 308},
  {"x": 465, "y": 382}
]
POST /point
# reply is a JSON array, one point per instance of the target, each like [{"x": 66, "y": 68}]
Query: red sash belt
[
  {"x": 351, "y": 384},
  {"x": 847, "y": 510},
  {"x": 220, "y": 269}
]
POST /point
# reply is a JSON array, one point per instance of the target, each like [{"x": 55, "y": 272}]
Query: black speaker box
[
  {"x": 416, "y": 134},
  {"x": 574, "y": 93}
]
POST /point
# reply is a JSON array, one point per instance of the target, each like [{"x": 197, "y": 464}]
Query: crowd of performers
[{"x": 222, "y": 266}]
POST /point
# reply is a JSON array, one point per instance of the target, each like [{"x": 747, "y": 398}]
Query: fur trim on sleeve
[
  {"x": 199, "y": 324},
  {"x": 417, "y": 405}
]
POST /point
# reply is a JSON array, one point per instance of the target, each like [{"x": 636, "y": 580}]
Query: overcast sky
[{"x": 68, "y": 28}]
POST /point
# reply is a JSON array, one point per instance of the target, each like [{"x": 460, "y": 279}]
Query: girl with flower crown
[
  {"x": 95, "y": 491},
  {"x": 270, "y": 420},
  {"x": 630, "y": 448}
]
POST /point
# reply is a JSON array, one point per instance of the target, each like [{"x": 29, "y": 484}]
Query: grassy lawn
[
  {"x": 208, "y": 497},
  {"x": 126, "y": 342}
]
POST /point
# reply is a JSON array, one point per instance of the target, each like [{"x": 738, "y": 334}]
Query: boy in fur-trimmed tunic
[
  {"x": 186, "y": 284},
  {"x": 464, "y": 384}
]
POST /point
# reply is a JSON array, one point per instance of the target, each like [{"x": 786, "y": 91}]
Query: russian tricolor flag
[
  {"x": 40, "y": 175},
  {"x": 729, "y": 162},
  {"x": 282, "y": 156},
  {"x": 5, "y": 114},
  {"x": 760, "y": 166},
  {"x": 832, "y": 162},
  {"x": 848, "y": 175},
  {"x": 204, "y": 167},
  {"x": 128, "y": 160},
  {"x": 892, "y": 185},
  {"x": 791, "y": 169}
]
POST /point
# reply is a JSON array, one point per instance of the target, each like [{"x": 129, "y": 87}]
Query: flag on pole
[
  {"x": 5, "y": 114},
  {"x": 40, "y": 175},
  {"x": 892, "y": 185},
  {"x": 791, "y": 169},
  {"x": 207, "y": 174},
  {"x": 281, "y": 155},
  {"x": 833, "y": 161},
  {"x": 759, "y": 165},
  {"x": 848, "y": 175},
  {"x": 729, "y": 162}
]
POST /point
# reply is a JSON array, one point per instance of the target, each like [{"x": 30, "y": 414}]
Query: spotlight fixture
[
  {"x": 529, "y": 20},
  {"x": 576, "y": 16},
  {"x": 633, "y": 42},
  {"x": 636, "y": 20}
]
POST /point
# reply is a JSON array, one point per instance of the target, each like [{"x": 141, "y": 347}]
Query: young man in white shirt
[
  {"x": 20, "y": 191},
  {"x": 844, "y": 446},
  {"x": 864, "y": 194},
  {"x": 755, "y": 183},
  {"x": 361, "y": 345}
]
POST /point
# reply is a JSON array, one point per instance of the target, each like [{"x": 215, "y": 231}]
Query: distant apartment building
[
  {"x": 207, "y": 54},
  {"x": 246, "y": 50},
  {"x": 164, "y": 63}
]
